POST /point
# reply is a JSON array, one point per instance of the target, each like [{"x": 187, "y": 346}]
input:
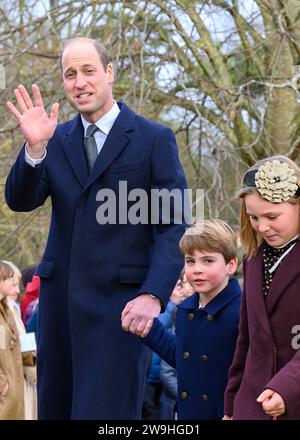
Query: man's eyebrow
[
  {"x": 88, "y": 65},
  {"x": 72, "y": 69},
  {"x": 69, "y": 69}
]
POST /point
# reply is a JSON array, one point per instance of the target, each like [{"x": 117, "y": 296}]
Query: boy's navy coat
[
  {"x": 267, "y": 351},
  {"x": 201, "y": 351},
  {"x": 88, "y": 367}
]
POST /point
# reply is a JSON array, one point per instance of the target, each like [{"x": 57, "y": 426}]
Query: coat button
[
  {"x": 210, "y": 317},
  {"x": 191, "y": 316},
  {"x": 12, "y": 344},
  {"x": 186, "y": 355},
  {"x": 184, "y": 395},
  {"x": 204, "y": 358},
  {"x": 204, "y": 397}
]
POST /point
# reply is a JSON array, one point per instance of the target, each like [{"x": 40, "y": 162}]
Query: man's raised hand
[{"x": 36, "y": 125}]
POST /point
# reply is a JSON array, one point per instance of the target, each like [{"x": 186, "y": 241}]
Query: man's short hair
[{"x": 99, "y": 46}]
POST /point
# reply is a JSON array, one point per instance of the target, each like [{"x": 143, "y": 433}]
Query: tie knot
[{"x": 91, "y": 130}]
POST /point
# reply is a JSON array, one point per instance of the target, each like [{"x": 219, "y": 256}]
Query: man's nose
[{"x": 80, "y": 82}]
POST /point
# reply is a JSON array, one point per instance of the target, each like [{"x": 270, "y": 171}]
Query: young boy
[{"x": 206, "y": 322}]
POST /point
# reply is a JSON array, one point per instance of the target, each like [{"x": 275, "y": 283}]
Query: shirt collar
[
  {"x": 106, "y": 122},
  {"x": 228, "y": 294}
]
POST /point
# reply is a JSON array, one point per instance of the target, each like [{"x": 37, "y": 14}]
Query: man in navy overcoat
[{"x": 88, "y": 367}]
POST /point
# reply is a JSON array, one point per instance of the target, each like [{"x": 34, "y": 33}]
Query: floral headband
[{"x": 274, "y": 180}]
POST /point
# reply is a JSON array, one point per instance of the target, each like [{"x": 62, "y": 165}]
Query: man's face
[{"x": 88, "y": 86}]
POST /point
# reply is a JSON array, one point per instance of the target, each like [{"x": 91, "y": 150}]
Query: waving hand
[{"x": 36, "y": 125}]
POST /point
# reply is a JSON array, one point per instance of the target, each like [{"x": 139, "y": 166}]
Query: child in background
[
  {"x": 28, "y": 358},
  {"x": 265, "y": 374},
  {"x": 14, "y": 297},
  {"x": 206, "y": 322},
  {"x": 11, "y": 368}
]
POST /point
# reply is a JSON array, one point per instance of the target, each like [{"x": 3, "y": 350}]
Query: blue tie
[{"x": 90, "y": 145}]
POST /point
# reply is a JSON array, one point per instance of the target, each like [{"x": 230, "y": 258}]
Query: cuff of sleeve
[{"x": 33, "y": 162}]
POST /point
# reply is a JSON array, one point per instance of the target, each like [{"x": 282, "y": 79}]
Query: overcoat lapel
[
  {"x": 285, "y": 275},
  {"x": 116, "y": 141},
  {"x": 191, "y": 304},
  {"x": 73, "y": 145}
]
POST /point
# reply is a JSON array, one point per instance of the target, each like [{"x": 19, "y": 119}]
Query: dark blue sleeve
[
  {"x": 26, "y": 186},
  {"x": 167, "y": 177},
  {"x": 162, "y": 341}
]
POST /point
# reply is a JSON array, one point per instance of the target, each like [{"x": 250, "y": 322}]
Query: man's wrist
[
  {"x": 32, "y": 161},
  {"x": 37, "y": 151},
  {"x": 152, "y": 296}
]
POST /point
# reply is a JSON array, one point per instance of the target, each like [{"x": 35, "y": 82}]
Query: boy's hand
[{"x": 272, "y": 403}]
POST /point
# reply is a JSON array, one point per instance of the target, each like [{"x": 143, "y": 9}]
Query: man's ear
[
  {"x": 232, "y": 266},
  {"x": 110, "y": 73}
]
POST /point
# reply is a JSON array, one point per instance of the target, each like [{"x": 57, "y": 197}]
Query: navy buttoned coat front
[
  {"x": 201, "y": 351},
  {"x": 88, "y": 367}
]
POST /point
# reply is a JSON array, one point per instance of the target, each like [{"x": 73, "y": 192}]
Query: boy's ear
[{"x": 232, "y": 266}]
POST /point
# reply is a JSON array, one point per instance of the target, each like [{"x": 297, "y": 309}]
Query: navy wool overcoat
[{"x": 88, "y": 367}]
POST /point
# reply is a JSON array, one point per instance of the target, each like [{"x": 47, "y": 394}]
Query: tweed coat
[{"x": 11, "y": 367}]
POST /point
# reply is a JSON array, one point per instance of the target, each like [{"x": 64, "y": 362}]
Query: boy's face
[{"x": 208, "y": 272}]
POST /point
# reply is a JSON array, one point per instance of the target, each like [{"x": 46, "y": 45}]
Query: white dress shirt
[{"x": 104, "y": 124}]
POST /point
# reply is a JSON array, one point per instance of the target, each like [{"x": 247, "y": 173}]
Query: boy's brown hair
[{"x": 211, "y": 235}]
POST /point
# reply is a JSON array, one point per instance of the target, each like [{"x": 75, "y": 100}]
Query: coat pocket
[
  {"x": 131, "y": 166},
  {"x": 45, "y": 269},
  {"x": 132, "y": 274}
]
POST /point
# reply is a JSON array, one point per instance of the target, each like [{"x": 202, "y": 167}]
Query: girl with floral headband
[{"x": 265, "y": 374}]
